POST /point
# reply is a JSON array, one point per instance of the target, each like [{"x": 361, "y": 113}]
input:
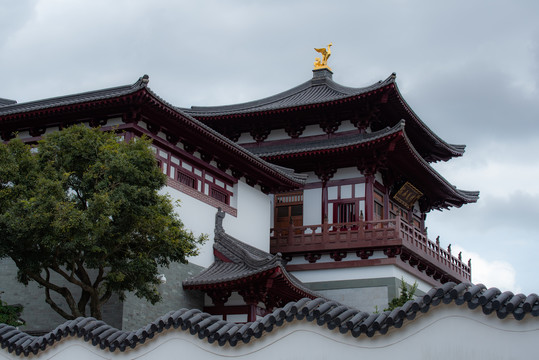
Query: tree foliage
[
  {"x": 10, "y": 314},
  {"x": 407, "y": 293},
  {"x": 85, "y": 206}
]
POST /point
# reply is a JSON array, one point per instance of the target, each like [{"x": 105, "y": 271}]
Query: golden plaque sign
[{"x": 407, "y": 195}]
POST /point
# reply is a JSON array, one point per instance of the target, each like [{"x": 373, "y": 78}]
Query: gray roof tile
[
  {"x": 4, "y": 102},
  {"x": 323, "y": 312},
  {"x": 318, "y": 90},
  {"x": 14, "y": 108},
  {"x": 245, "y": 261}
]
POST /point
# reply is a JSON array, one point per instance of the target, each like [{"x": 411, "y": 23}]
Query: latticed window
[
  {"x": 219, "y": 195},
  {"x": 206, "y": 181},
  {"x": 187, "y": 180},
  {"x": 344, "y": 212}
]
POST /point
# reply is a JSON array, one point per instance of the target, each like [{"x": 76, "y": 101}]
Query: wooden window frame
[
  {"x": 353, "y": 199},
  {"x": 288, "y": 200},
  {"x": 200, "y": 180}
]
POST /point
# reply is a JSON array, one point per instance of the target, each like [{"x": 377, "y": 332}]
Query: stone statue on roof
[
  {"x": 219, "y": 216},
  {"x": 326, "y": 53}
]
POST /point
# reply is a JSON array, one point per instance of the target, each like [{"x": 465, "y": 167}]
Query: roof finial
[
  {"x": 219, "y": 216},
  {"x": 326, "y": 53}
]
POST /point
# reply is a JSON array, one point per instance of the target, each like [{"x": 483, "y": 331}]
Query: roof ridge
[
  {"x": 319, "y": 311},
  {"x": 315, "y": 84},
  {"x": 75, "y": 98}
]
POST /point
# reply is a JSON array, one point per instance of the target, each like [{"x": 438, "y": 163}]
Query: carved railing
[{"x": 394, "y": 236}]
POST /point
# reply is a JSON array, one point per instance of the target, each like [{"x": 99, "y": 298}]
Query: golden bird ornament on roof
[{"x": 323, "y": 63}]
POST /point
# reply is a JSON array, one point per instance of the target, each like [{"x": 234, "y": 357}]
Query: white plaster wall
[
  {"x": 346, "y": 125},
  {"x": 312, "y": 178},
  {"x": 272, "y": 212},
  {"x": 200, "y": 219},
  {"x": 378, "y": 177},
  {"x": 360, "y": 273},
  {"x": 366, "y": 299},
  {"x": 312, "y": 130},
  {"x": 277, "y": 134},
  {"x": 252, "y": 224},
  {"x": 346, "y": 173},
  {"x": 115, "y": 121},
  {"x": 340, "y": 174},
  {"x": 312, "y": 206},
  {"x": 444, "y": 332},
  {"x": 245, "y": 138}
]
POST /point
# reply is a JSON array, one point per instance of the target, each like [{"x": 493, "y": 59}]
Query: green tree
[
  {"x": 407, "y": 293},
  {"x": 10, "y": 314},
  {"x": 85, "y": 205}
]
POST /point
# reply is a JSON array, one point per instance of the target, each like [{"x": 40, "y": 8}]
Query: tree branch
[
  {"x": 106, "y": 296},
  {"x": 60, "y": 290},
  {"x": 72, "y": 279},
  {"x": 55, "y": 306}
]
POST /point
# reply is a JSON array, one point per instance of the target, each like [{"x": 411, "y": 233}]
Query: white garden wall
[{"x": 444, "y": 332}]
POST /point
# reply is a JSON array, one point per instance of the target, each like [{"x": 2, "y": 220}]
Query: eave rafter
[
  {"x": 392, "y": 154},
  {"x": 336, "y": 111},
  {"x": 270, "y": 287}
]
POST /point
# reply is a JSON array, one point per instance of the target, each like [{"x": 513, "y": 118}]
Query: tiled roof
[
  {"x": 270, "y": 149},
  {"x": 243, "y": 261},
  {"x": 454, "y": 196},
  {"x": 75, "y": 98},
  {"x": 4, "y": 102},
  {"x": 320, "y": 89},
  {"x": 11, "y": 108},
  {"x": 322, "y": 312}
]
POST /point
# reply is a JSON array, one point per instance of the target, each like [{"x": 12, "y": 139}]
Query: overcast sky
[{"x": 469, "y": 69}]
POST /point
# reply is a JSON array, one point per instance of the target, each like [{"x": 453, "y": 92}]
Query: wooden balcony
[{"x": 394, "y": 237}]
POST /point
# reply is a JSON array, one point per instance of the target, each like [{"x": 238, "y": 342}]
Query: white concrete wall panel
[
  {"x": 444, "y": 332},
  {"x": 312, "y": 206},
  {"x": 359, "y": 273},
  {"x": 251, "y": 225}
]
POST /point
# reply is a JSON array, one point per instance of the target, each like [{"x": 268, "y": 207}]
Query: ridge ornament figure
[{"x": 326, "y": 53}]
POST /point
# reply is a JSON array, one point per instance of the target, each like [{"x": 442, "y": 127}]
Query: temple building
[
  {"x": 357, "y": 226},
  {"x": 326, "y": 191}
]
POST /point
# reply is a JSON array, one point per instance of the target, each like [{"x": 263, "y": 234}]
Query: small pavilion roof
[{"x": 237, "y": 263}]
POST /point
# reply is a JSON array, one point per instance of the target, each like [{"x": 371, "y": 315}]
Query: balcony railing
[{"x": 394, "y": 236}]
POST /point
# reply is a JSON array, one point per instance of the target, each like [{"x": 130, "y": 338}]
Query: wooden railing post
[
  {"x": 398, "y": 226},
  {"x": 352, "y": 236},
  {"x": 290, "y": 233},
  {"x": 325, "y": 229}
]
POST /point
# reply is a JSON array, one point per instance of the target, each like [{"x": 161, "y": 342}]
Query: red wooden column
[
  {"x": 325, "y": 173},
  {"x": 324, "y": 202},
  {"x": 369, "y": 197},
  {"x": 251, "y": 315},
  {"x": 252, "y": 294}
]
